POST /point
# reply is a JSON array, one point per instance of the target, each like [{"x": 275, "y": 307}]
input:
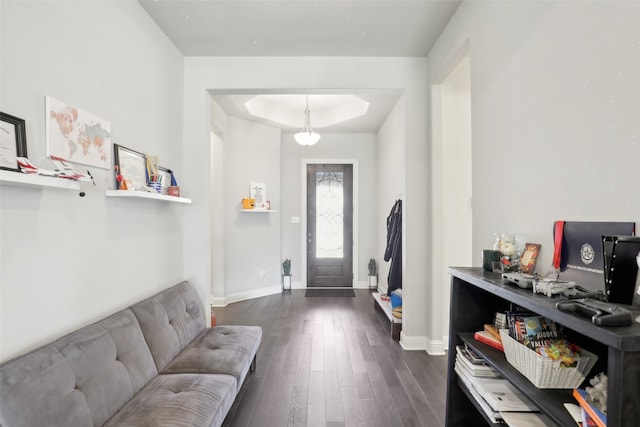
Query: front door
[{"x": 330, "y": 225}]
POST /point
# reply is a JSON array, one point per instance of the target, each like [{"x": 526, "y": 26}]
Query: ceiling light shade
[{"x": 307, "y": 136}]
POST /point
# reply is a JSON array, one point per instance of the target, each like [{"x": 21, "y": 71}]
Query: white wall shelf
[
  {"x": 36, "y": 181},
  {"x": 145, "y": 195},
  {"x": 258, "y": 210}
]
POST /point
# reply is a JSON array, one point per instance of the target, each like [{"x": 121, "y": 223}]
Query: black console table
[{"x": 476, "y": 295}]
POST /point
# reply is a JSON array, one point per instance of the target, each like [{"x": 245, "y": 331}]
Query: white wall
[
  {"x": 217, "y": 179},
  {"x": 331, "y": 148},
  {"x": 252, "y": 239},
  {"x": 304, "y": 74},
  {"x": 390, "y": 180},
  {"x": 451, "y": 174},
  {"x": 555, "y": 90},
  {"x": 68, "y": 261}
]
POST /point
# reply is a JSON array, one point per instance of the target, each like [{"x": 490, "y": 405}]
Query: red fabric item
[{"x": 558, "y": 230}]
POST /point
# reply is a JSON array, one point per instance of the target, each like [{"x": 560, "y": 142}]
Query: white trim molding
[
  {"x": 437, "y": 347},
  {"x": 432, "y": 347},
  {"x": 242, "y": 296},
  {"x": 408, "y": 342}
]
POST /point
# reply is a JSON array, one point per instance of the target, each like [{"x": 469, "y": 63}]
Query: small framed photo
[
  {"x": 166, "y": 175},
  {"x": 529, "y": 257},
  {"x": 13, "y": 141},
  {"x": 132, "y": 165},
  {"x": 259, "y": 193}
]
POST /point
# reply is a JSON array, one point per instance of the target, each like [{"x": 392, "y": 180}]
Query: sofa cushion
[
  {"x": 219, "y": 350},
  {"x": 170, "y": 320},
  {"x": 81, "y": 379},
  {"x": 179, "y": 400}
]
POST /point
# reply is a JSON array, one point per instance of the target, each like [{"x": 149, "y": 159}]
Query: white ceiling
[{"x": 387, "y": 28}]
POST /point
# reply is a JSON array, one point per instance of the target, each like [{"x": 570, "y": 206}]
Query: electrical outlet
[
  {"x": 263, "y": 273},
  {"x": 295, "y": 220}
]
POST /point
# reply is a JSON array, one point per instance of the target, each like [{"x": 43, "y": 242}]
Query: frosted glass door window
[{"x": 329, "y": 214}]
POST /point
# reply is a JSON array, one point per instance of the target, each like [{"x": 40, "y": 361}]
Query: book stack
[
  {"x": 532, "y": 330},
  {"x": 472, "y": 364},
  {"x": 591, "y": 415},
  {"x": 490, "y": 336},
  {"x": 494, "y": 394}
]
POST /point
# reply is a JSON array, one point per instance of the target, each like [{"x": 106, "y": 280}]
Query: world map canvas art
[{"x": 77, "y": 136}]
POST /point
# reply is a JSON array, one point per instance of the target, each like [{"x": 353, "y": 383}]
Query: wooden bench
[{"x": 395, "y": 324}]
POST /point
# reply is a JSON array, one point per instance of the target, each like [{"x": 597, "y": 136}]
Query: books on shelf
[
  {"x": 493, "y": 331},
  {"x": 471, "y": 366},
  {"x": 487, "y": 338},
  {"x": 502, "y": 396},
  {"x": 500, "y": 320},
  {"x": 490, "y": 373},
  {"x": 526, "y": 419},
  {"x": 472, "y": 355},
  {"x": 575, "y": 412},
  {"x": 589, "y": 411},
  {"x": 494, "y": 416},
  {"x": 497, "y": 393}
]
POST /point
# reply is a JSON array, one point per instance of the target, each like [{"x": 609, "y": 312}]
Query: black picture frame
[
  {"x": 20, "y": 139},
  {"x": 132, "y": 165}
]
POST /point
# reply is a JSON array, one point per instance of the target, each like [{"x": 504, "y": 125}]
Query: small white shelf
[
  {"x": 258, "y": 210},
  {"x": 145, "y": 195},
  {"x": 36, "y": 181}
]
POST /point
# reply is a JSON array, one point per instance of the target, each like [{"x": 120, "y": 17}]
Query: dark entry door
[{"x": 330, "y": 225}]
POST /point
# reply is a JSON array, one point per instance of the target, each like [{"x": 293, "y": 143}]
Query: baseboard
[
  {"x": 242, "y": 296},
  {"x": 361, "y": 285},
  {"x": 412, "y": 342},
  {"x": 218, "y": 302},
  {"x": 263, "y": 292},
  {"x": 432, "y": 347},
  {"x": 298, "y": 285},
  {"x": 357, "y": 285},
  {"x": 437, "y": 347}
]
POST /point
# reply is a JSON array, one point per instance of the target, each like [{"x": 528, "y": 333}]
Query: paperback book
[
  {"x": 487, "y": 338},
  {"x": 526, "y": 419},
  {"x": 494, "y": 416},
  {"x": 502, "y": 396},
  {"x": 597, "y": 416},
  {"x": 475, "y": 369}
]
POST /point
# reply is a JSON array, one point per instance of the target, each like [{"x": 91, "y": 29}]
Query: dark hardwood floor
[{"x": 330, "y": 361}]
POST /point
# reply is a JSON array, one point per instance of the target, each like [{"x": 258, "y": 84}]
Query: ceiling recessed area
[
  {"x": 326, "y": 110},
  {"x": 331, "y": 112}
]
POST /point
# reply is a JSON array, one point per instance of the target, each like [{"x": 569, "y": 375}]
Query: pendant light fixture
[{"x": 307, "y": 136}]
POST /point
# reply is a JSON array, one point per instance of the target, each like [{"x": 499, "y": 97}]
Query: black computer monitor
[
  {"x": 581, "y": 258},
  {"x": 621, "y": 267}
]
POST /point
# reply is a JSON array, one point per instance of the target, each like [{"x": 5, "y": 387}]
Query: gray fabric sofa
[{"x": 154, "y": 364}]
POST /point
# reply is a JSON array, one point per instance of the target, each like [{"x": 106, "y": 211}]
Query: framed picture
[
  {"x": 166, "y": 175},
  {"x": 259, "y": 193},
  {"x": 76, "y": 135},
  {"x": 529, "y": 257},
  {"x": 132, "y": 165},
  {"x": 13, "y": 141}
]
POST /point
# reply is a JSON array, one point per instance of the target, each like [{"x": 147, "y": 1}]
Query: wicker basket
[{"x": 543, "y": 372}]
